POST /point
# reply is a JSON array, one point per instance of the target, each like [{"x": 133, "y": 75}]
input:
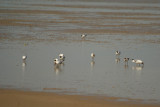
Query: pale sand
[{"x": 14, "y": 98}]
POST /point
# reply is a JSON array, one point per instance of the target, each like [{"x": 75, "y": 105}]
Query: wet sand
[{"x": 14, "y": 98}]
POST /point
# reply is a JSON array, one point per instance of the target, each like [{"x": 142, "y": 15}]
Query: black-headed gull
[
  {"x": 138, "y": 61},
  {"x": 118, "y": 53},
  {"x": 56, "y": 61},
  {"x": 92, "y": 55},
  {"x": 126, "y": 60},
  {"x": 83, "y": 36},
  {"x": 61, "y": 57},
  {"x": 24, "y": 57}
]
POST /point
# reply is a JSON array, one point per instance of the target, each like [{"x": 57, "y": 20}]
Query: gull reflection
[
  {"x": 57, "y": 68},
  {"x": 92, "y": 64},
  {"x": 24, "y": 66},
  {"x": 117, "y": 60},
  {"x": 126, "y": 66},
  {"x": 137, "y": 68}
]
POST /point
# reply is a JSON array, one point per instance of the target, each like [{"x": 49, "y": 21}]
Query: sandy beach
[{"x": 13, "y": 98}]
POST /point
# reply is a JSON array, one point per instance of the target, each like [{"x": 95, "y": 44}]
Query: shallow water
[{"x": 53, "y": 27}]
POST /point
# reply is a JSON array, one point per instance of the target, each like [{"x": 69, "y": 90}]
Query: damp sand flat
[
  {"x": 76, "y": 17},
  {"x": 24, "y": 99},
  {"x": 41, "y": 30}
]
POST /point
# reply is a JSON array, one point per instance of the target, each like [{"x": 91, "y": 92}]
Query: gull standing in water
[
  {"x": 92, "y": 56},
  {"x": 57, "y": 62},
  {"x": 62, "y": 57},
  {"x": 138, "y": 61},
  {"x": 24, "y": 62},
  {"x": 57, "y": 66},
  {"x": 24, "y": 57},
  {"x": 118, "y": 53},
  {"x": 92, "y": 62},
  {"x": 126, "y": 61}
]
